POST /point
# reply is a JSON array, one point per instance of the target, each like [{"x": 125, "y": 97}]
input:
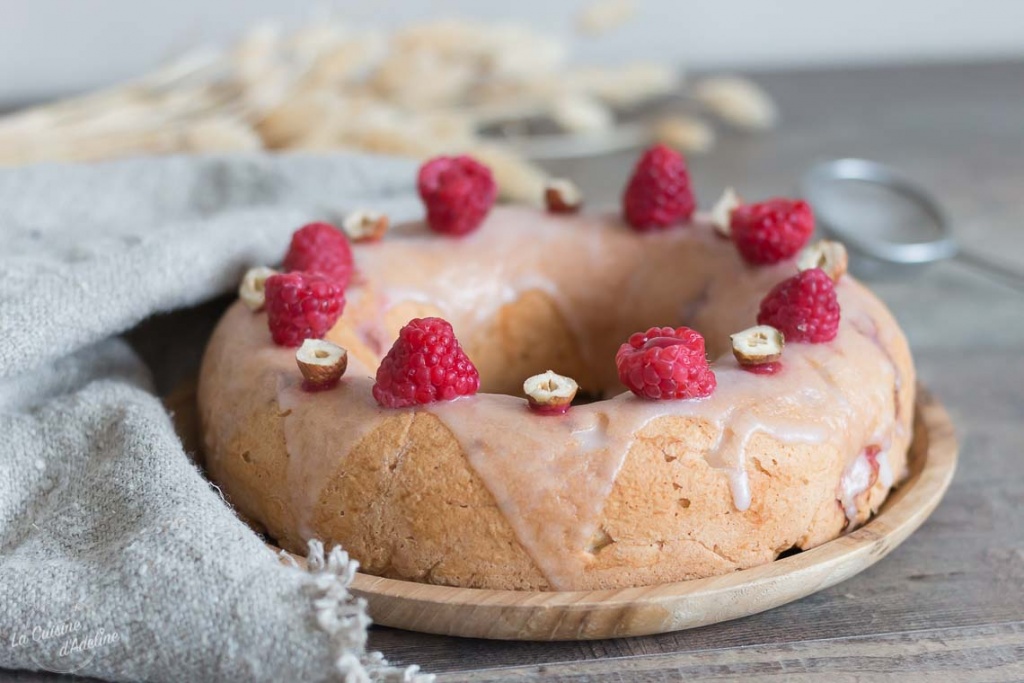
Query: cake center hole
[
  {"x": 579, "y": 338},
  {"x": 320, "y": 353}
]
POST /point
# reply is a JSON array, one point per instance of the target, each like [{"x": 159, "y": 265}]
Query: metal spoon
[{"x": 881, "y": 213}]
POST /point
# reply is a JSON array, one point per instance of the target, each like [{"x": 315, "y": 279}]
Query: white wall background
[{"x": 57, "y": 46}]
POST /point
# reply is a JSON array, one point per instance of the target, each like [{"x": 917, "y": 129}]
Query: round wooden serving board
[
  {"x": 585, "y": 615},
  {"x": 520, "y": 615}
]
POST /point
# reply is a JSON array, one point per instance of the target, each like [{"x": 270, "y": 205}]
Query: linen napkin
[{"x": 117, "y": 558}]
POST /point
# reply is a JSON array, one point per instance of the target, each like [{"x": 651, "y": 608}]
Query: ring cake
[{"x": 400, "y": 431}]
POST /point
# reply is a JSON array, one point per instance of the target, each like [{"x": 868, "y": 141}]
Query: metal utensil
[{"x": 877, "y": 211}]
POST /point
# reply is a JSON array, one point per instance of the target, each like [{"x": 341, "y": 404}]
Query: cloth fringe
[{"x": 343, "y": 617}]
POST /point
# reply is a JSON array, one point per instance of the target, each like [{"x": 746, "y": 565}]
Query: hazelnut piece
[
  {"x": 364, "y": 225},
  {"x": 321, "y": 363},
  {"x": 562, "y": 196},
  {"x": 550, "y": 393},
  {"x": 758, "y": 345},
  {"x": 721, "y": 213},
  {"x": 251, "y": 290},
  {"x": 825, "y": 254}
]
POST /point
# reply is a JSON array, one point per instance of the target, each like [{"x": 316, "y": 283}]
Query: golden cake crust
[{"x": 406, "y": 496}]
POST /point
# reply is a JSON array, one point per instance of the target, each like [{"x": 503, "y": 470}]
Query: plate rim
[{"x": 566, "y": 615}]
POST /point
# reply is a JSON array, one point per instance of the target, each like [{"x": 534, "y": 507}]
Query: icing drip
[
  {"x": 885, "y": 474},
  {"x": 864, "y": 322},
  {"x": 320, "y": 430},
  {"x": 554, "y": 496},
  {"x": 729, "y": 453},
  {"x": 871, "y": 465},
  {"x": 857, "y": 479}
]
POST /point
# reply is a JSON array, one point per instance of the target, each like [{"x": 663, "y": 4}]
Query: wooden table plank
[{"x": 995, "y": 652}]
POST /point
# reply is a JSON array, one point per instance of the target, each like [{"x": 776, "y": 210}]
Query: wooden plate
[{"x": 585, "y": 615}]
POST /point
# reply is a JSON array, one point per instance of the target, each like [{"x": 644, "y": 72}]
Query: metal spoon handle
[{"x": 1005, "y": 273}]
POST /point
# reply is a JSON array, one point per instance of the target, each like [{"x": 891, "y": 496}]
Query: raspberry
[
  {"x": 771, "y": 231},
  {"x": 425, "y": 364},
  {"x": 658, "y": 193},
  {"x": 302, "y": 306},
  {"x": 320, "y": 248},
  {"x": 665, "y": 363},
  {"x": 804, "y": 307},
  {"x": 458, "y": 192}
]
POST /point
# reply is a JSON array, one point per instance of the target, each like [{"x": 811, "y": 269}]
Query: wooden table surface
[{"x": 948, "y": 605}]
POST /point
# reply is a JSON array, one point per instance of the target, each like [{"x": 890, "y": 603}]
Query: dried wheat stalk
[{"x": 418, "y": 91}]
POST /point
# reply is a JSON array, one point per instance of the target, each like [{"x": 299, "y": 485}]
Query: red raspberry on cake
[
  {"x": 771, "y": 231},
  {"x": 425, "y": 364},
  {"x": 302, "y": 306},
  {"x": 665, "y": 363},
  {"x": 458, "y": 193},
  {"x": 320, "y": 248},
  {"x": 804, "y": 308},
  {"x": 658, "y": 194}
]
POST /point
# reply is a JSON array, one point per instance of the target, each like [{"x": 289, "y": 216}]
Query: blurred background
[
  {"x": 517, "y": 86},
  {"x": 50, "y": 47}
]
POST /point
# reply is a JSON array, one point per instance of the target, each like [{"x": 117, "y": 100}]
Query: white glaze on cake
[{"x": 551, "y": 476}]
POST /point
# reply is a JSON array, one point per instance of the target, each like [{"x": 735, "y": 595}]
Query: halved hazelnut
[
  {"x": 825, "y": 254},
  {"x": 758, "y": 345},
  {"x": 562, "y": 196},
  {"x": 364, "y": 225},
  {"x": 550, "y": 393},
  {"x": 721, "y": 213},
  {"x": 321, "y": 363},
  {"x": 251, "y": 290}
]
